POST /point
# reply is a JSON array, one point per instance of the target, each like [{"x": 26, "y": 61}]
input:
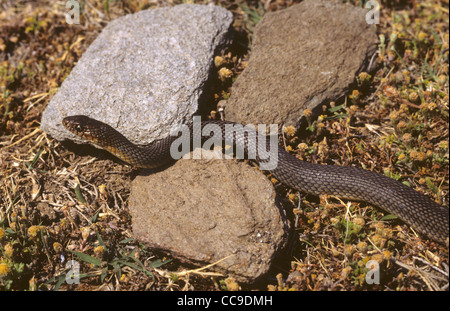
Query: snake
[{"x": 415, "y": 209}]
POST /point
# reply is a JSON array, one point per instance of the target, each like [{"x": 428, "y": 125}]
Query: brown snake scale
[{"x": 415, "y": 209}]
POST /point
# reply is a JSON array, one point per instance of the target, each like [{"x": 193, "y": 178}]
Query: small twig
[
  {"x": 194, "y": 271},
  {"x": 369, "y": 68},
  {"x": 428, "y": 281},
  {"x": 36, "y": 130},
  {"x": 431, "y": 265},
  {"x": 381, "y": 84},
  {"x": 284, "y": 138},
  {"x": 198, "y": 271},
  {"x": 298, "y": 209},
  {"x": 404, "y": 101},
  {"x": 373, "y": 244},
  {"x": 40, "y": 96}
]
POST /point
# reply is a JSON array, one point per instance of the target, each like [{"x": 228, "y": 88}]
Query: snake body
[{"x": 415, "y": 209}]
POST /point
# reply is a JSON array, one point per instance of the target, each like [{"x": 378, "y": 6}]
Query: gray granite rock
[
  {"x": 302, "y": 57},
  {"x": 202, "y": 211},
  {"x": 144, "y": 73}
]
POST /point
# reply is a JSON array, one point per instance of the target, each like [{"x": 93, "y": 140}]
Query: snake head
[
  {"x": 103, "y": 136},
  {"x": 85, "y": 127}
]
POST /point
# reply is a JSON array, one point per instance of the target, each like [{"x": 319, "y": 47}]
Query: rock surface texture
[
  {"x": 203, "y": 211},
  {"x": 144, "y": 73},
  {"x": 302, "y": 57}
]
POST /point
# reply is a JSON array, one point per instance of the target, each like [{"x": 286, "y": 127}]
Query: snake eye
[{"x": 78, "y": 128}]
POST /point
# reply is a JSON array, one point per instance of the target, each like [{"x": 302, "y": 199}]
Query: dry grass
[{"x": 58, "y": 202}]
